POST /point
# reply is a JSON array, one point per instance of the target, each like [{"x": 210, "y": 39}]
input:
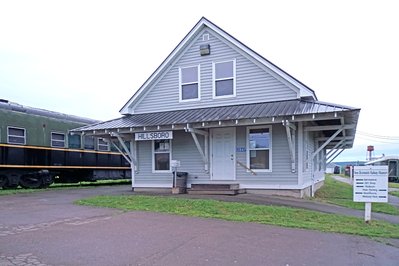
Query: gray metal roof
[{"x": 234, "y": 112}]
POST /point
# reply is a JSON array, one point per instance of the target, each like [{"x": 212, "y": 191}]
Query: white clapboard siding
[
  {"x": 183, "y": 149},
  {"x": 253, "y": 83},
  {"x": 309, "y": 147},
  {"x": 281, "y": 165}
]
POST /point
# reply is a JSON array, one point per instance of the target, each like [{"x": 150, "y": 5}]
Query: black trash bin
[{"x": 181, "y": 179}]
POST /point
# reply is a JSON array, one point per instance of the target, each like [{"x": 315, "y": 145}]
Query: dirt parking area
[{"x": 46, "y": 228}]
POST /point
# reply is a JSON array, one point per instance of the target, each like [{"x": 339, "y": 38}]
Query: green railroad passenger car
[{"x": 36, "y": 149}]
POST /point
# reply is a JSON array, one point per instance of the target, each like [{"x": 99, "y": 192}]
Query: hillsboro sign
[{"x": 154, "y": 135}]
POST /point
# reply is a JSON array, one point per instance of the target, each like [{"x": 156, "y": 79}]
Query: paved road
[{"x": 45, "y": 228}]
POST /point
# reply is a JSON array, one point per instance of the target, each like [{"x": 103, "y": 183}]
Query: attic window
[
  {"x": 189, "y": 83},
  {"x": 205, "y": 37},
  {"x": 205, "y": 49}
]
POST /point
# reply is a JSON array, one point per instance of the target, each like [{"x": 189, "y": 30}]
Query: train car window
[
  {"x": 16, "y": 135},
  {"x": 393, "y": 169},
  {"x": 89, "y": 142},
  {"x": 74, "y": 141},
  {"x": 103, "y": 145},
  {"x": 57, "y": 140}
]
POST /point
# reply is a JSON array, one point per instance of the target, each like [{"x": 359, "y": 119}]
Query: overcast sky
[{"x": 87, "y": 58}]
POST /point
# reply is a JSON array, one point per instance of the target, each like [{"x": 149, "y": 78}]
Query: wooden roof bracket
[
  {"x": 127, "y": 157},
  {"x": 335, "y": 148},
  {"x": 333, "y": 157},
  {"x": 129, "y": 153},
  {"x": 325, "y": 144},
  {"x": 290, "y": 129},
  {"x": 204, "y": 152}
]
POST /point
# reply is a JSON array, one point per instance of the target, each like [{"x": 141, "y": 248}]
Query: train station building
[{"x": 226, "y": 115}]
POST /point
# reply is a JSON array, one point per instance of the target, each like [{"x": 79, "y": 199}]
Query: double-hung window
[
  {"x": 189, "y": 83},
  {"x": 16, "y": 135},
  {"x": 224, "y": 81},
  {"x": 161, "y": 155},
  {"x": 57, "y": 140},
  {"x": 259, "y": 148}
]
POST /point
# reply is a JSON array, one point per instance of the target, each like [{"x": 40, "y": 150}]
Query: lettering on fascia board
[{"x": 154, "y": 135}]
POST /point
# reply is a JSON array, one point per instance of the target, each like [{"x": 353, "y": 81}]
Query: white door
[{"x": 223, "y": 153}]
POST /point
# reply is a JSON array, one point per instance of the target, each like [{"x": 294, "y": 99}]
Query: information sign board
[
  {"x": 174, "y": 163},
  {"x": 370, "y": 184}
]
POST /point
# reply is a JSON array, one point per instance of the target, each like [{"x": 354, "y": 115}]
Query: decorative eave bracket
[
  {"x": 129, "y": 155},
  {"x": 204, "y": 152},
  {"x": 291, "y": 129}
]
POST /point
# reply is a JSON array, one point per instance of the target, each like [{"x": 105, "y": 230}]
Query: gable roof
[{"x": 201, "y": 24}]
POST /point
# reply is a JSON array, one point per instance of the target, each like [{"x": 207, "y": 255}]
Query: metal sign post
[
  {"x": 370, "y": 184},
  {"x": 174, "y": 164},
  {"x": 367, "y": 212}
]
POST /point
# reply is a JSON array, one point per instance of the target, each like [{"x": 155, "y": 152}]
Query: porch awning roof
[{"x": 290, "y": 109}]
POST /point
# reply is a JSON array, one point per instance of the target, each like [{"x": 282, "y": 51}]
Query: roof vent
[{"x": 205, "y": 49}]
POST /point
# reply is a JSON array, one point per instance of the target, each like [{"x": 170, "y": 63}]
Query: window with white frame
[
  {"x": 259, "y": 148},
  {"x": 57, "y": 140},
  {"x": 16, "y": 135},
  {"x": 161, "y": 155},
  {"x": 224, "y": 79},
  {"x": 189, "y": 83},
  {"x": 103, "y": 145}
]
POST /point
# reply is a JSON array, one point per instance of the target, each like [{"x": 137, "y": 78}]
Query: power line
[
  {"x": 379, "y": 140},
  {"x": 370, "y": 135}
]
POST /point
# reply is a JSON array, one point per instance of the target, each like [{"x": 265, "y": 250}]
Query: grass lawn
[
  {"x": 93, "y": 184},
  {"x": 243, "y": 212},
  {"x": 393, "y": 185},
  {"x": 394, "y": 193},
  {"x": 339, "y": 193}
]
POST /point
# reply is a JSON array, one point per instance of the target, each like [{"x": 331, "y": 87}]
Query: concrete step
[
  {"x": 214, "y": 186},
  {"x": 215, "y": 189},
  {"x": 215, "y": 192}
]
